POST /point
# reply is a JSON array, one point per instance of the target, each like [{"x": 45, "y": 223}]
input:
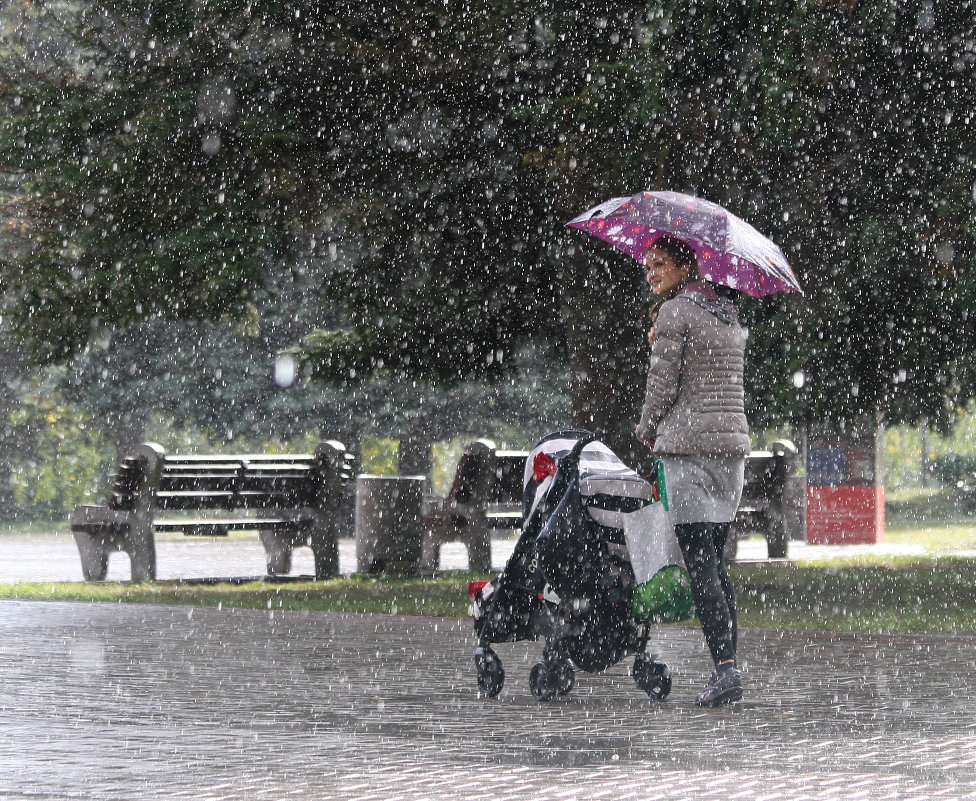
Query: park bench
[
  {"x": 765, "y": 505},
  {"x": 290, "y": 499},
  {"x": 486, "y": 494}
]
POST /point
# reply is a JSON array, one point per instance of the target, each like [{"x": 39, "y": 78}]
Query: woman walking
[{"x": 694, "y": 419}]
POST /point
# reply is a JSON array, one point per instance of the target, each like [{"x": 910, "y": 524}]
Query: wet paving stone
[
  {"x": 54, "y": 556},
  {"x": 137, "y": 702}
]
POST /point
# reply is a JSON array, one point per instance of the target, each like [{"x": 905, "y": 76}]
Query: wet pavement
[
  {"x": 103, "y": 701},
  {"x": 138, "y": 702},
  {"x": 54, "y": 556}
]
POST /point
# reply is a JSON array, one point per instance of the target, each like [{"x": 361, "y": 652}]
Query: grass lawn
[
  {"x": 896, "y": 595},
  {"x": 935, "y": 537},
  {"x": 867, "y": 592},
  {"x": 445, "y": 595}
]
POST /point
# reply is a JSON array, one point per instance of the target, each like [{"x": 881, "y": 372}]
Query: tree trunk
[
  {"x": 125, "y": 430},
  {"x": 415, "y": 450},
  {"x": 604, "y": 310},
  {"x": 8, "y": 451},
  {"x": 924, "y": 466},
  {"x": 9, "y": 361}
]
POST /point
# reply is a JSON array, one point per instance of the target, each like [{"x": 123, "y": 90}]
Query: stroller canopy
[{"x": 609, "y": 488}]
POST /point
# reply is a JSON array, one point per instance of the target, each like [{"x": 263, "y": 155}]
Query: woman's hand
[{"x": 644, "y": 440}]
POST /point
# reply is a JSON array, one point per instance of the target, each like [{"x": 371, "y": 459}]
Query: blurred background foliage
[
  {"x": 64, "y": 460},
  {"x": 190, "y": 188}
]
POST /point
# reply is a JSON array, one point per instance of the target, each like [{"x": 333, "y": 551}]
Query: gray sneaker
[{"x": 723, "y": 687}]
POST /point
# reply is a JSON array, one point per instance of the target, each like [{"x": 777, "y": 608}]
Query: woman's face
[{"x": 663, "y": 275}]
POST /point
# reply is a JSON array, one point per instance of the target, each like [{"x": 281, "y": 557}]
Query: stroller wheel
[
  {"x": 543, "y": 682},
  {"x": 652, "y": 677},
  {"x": 565, "y": 676},
  {"x": 491, "y": 674}
]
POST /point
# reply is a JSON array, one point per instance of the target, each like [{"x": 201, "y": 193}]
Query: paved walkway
[
  {"x": 54, "y": 557},
  {"x": 102, "y": 701}
]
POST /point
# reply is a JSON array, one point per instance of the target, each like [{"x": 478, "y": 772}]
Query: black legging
[{"x": 703, "y": 546}]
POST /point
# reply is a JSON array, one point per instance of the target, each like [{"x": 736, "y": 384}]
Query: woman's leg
[
  {"x": 720, "y": 534},
  {"x": 707, "y": 588}
]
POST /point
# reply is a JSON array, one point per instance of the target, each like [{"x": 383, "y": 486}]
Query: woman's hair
[{"x": 681, "y": 253}]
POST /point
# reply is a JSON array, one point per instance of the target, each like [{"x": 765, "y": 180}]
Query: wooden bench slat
[
  {"x": 219, "y": 528},
  {"x": 247, "y": 484},
  {"x": 505, "y": 519},
  {"x": 193, "y": 501},
  {"x": 217, "y": 458},
  {"x": 224, "y": 469}
]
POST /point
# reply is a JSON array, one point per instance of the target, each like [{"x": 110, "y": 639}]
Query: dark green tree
[
  {"x": 467, "y": 254},
  {"x": 853, "y": 152},
  {"x": 840, "y": 130},
  {"x": 174, "y": 150}
]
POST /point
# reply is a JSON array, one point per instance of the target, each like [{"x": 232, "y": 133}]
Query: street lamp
[{"x": 285, "y": 369}]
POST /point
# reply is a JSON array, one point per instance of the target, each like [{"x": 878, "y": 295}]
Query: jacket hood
[{"x": 703, "y": 294}]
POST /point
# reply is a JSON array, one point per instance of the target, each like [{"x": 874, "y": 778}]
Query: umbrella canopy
[{"x": 730, "y": 251}]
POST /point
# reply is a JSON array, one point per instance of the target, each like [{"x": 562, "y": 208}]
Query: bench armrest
[{"x": 98, "y": 519}]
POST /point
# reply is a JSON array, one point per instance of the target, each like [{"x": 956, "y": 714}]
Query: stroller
[{"x": 570, "y": 578}]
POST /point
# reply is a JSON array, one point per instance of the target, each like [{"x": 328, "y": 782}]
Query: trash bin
[
  {"x": 389, "y": 527},
  {"x": 845, "y": 490}
]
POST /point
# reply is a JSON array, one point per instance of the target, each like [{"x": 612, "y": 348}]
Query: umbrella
[{"x": 729, "y": 250}]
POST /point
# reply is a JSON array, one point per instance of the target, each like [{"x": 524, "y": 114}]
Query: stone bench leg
[
  {"x": 478, "y": 540},
  {"x": 140, "y": 544},
  {"x": 776, "y": 542},
  {"x": 326, "y": 554},
  {"x": 430, "y": 552},
  {"x": 476, "y": 537},
  {"x": 278, "y": 550},
  {"x": 324, "y": 541},
  {"x": 94, "y": 555}
]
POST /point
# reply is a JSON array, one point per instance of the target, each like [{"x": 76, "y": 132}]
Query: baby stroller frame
[{"x": 588, "y": 625}]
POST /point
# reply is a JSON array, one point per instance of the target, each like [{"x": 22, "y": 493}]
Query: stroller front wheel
[
  {"x": 491, "y": 674},
  {"x": 652, "y": 677},
  {"x": 543, "y": 682}
]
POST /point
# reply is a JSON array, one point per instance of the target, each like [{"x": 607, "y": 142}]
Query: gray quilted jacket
[{"x": 695, "y": 400}]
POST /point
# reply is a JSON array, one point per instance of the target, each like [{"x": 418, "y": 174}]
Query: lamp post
[{"x": 800, "y": 382}]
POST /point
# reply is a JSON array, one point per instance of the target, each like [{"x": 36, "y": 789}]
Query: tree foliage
[{"x": 431, "y": 154}]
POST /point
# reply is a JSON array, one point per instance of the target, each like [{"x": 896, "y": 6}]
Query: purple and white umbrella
[{"x": 730, "y": 251}]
